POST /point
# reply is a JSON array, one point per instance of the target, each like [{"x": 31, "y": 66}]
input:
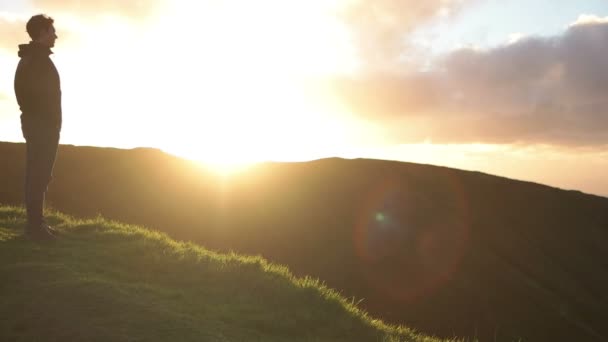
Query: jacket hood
[{"x": 32, "y": 49}]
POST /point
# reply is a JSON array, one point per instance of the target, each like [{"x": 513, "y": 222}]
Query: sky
[{"x": 515, "y": 88}]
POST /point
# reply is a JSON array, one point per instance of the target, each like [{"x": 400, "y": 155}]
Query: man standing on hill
[{"x": 38, "y": 92}]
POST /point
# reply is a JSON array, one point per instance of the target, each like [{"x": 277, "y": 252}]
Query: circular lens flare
[{"x": 410, "y": 239}]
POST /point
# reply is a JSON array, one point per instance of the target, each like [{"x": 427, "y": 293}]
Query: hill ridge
[
  {"x": 414, "y": 240},
  {"x": 104, "y": 280}
]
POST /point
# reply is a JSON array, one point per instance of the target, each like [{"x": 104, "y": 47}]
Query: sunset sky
[{"x": 516, "y": 88}]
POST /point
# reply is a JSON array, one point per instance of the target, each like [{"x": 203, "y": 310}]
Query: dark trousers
[{"x": 41, "y": 151}]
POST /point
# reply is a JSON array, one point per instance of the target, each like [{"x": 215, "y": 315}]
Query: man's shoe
[
  {"x": 50, "y": 229},
  {"x": 39, "y": 234}
]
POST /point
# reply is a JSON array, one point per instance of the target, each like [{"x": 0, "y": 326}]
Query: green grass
[{"x": 106, "y": 281}]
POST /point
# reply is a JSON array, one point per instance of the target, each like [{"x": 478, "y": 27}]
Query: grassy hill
[
  {"x": 106, "y": 281},
  {"x": 444, "y": 251}
]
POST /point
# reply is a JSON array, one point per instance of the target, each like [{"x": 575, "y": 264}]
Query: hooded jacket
[{"x": 38, "y": 88}]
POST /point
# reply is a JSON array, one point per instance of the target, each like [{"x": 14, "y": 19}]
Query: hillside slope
[
  {"x": 445, "y": 251},
  {"x": 105, "y": 281}
]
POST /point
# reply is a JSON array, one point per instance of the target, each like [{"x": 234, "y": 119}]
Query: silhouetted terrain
[
  {"x": 445, "y": 251},
  {"x": 83, "y": 287}
]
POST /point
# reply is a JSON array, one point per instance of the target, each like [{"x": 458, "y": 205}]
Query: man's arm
[{"x": 32, "y": 89}]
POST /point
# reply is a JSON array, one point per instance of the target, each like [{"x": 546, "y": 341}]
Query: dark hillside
[
  {"x": 445, "y": 251},
  {"x": 83, "y": 287}
]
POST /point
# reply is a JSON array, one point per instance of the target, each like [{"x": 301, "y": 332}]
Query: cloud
[
  {"x": 12, "y": 32},
  {"x": 132, "y": 9},
  {"x": 532, "y": 90},
  {"x": 379, "y": 27},
  {"x": 585, "y": 19}
]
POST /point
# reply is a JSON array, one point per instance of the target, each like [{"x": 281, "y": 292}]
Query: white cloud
[
  {"x": 585, "y": 19},
  {"x": 12, "y": 31},
  {"x": 379, "y": 27},
  {"x": 132, "y": 9},
  {"x": 515, "y": 37}
]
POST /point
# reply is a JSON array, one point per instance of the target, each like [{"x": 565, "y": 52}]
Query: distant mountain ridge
[{"x": 444, "y": 251}]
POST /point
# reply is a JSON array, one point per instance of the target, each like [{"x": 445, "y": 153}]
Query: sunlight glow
[{"x": 221, "y": 82}]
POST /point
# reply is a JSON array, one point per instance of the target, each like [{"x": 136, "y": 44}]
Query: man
[{"x": 38, "y": 92}]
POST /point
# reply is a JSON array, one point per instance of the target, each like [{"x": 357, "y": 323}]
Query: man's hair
[{"x": 37, "y": 24}]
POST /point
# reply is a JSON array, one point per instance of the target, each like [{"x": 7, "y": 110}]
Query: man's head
[{"x": 41, "y": 30}]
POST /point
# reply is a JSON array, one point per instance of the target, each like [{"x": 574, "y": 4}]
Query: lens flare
[{"x": 410, "y": 238}]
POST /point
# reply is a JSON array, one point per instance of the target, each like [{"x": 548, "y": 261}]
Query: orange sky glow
[{"x": 231, "y": 83}]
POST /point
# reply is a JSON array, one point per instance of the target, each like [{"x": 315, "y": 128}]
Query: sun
[
  {"x": 224, "y": 83},
  {"x": 245, "y": 82},
  {"x": 293, "y": 129}
]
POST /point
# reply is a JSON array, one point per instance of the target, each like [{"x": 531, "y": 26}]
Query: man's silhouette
[{"x": 38, "y": 93}]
